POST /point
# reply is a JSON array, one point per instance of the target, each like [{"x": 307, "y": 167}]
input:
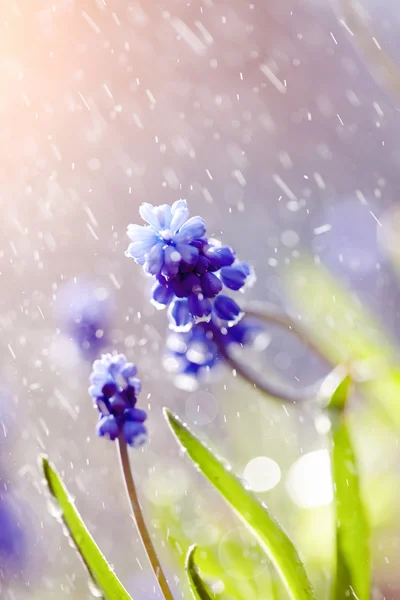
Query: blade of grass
[
  {"x": 199, "y": 589},
  {"x": 95, "y": 562},
  {"x": 253, "y": 514},
  {"x": 353, "y": 568},
  {"x": 247, "y": 584}
]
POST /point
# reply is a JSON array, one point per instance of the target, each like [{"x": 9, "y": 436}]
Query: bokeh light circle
[{"x": 262, "y": 474}]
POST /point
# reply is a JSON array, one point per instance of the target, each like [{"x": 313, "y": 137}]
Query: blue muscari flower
[
  {"x": 192, "y": 354},
  {"x": 114, "y": 390},
  {"x": 190, "y": 269},
  {"x": 85, "y": 310}
]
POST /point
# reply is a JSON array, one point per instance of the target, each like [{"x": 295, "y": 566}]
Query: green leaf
[
  {"x": 335, "y": 388},
  {"x": 347, "y": 332},
  {"x": 253, "y": 514},
  {"x": 339, "y": 397},
  {"x": 197, "y": 585},
  {"x": 353, "y": 567},
  {"x": 98, "y": 567}
]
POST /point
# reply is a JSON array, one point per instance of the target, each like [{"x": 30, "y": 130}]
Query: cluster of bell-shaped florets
[
  {"x": 114, "y": 389},
  {"x": 190, "y": 269}
]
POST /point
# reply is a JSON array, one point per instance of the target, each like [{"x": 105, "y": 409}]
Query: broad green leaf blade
[
  {"x": 253, "y": 514},
  {"x": 98, "y": 567},
  {"x": 353, "y": 567},
  {"x": 197, "y": 585}
]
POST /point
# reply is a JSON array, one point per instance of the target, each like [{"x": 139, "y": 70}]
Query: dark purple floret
[
  {"x": 226, "y": 309},
  {"x": 200, "y": 307},
  {"x": 210, "y": 284},
  {"x": 220, "y": 256},
  {"x": 235, "y": 276}
]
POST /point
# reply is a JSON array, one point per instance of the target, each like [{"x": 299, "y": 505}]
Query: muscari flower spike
[
  {"x": 190, "y": 270},
  {"x": 114, "y": 390}
]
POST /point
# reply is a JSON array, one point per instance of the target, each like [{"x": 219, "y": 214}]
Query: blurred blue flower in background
[
  {"x": 14, "y": 523},
  {"x": 190, "y": 356},
  {"x": 12, "y": 538},
  {"x": 114, "y": 391},
  {"x": 85, "y": 311},
  {"x": 190, "y": 269}
]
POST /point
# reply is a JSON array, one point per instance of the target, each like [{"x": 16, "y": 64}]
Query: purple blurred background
[{"x": 262, "y": 115}]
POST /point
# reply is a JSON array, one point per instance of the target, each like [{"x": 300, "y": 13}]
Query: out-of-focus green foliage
[
  {"x": 352, "y": 530},
  {"x": 234, "y": 563},
  {"x": 381, "y": 65},
  {"x": 339, "y": 397},
  {"x": 254, "y": 515},
  {"x": 347, "y": 333},
  {"x": 98, "y": 567},
  {"x": 197, "y": 585},
  {"x": 231, "y": 565}
]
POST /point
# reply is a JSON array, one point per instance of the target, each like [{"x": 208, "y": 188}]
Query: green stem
[
  {"x": 273, "y": 389},
  {"x": 279, "y": 390},
  {"x": 140, "y": 522},
  {"x": 269, "y": 314}
]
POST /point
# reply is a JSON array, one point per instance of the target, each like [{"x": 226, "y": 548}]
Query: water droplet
[
  {"x": 54, "y": 508},
  {"x": 94, "y": 589}
]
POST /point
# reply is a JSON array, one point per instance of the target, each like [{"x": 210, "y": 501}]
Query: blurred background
[{"x": 264, "y": 116}]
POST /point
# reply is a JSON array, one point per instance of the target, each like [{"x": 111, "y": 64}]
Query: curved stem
[
  {"x": 140, "y": 522},
  {"x": 275, "y": 390},
  {"x": 270, "y": 314}
]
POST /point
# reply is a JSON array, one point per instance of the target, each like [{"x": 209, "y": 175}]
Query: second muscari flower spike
[
  {"x": 114, "y": 389},
  {"x": 190, "y": 269}
]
